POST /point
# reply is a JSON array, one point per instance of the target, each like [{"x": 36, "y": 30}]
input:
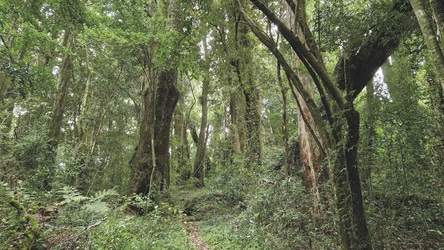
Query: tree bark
[
  {"x": 151, "y": 170},
  {"x": 63, "y": 82},
  {"x": 314, "y": 175},
  {"x": 199, "y": 168},
  {"x": 438, "y": 13},
  {"x": 371, "y": 134},
  {"x": 155, "y": 131},
  {"x": 287, "y": 169},
  {"x": 244, "y": 70},
  {"x": 181, "y": 151},
  {"x": 430, "y": 37},
  {"x": 237, "y": 127}
]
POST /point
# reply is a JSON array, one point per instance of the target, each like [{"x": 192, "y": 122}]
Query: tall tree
[
  {"x": 338, "y": 137},
  {"x": 244, "y": 68},
  {"x": 151, "y": 170},
  {"x": 311, "y": 155},
  {"x": 63, "y": 82},
  {"x": 438, "y": 13},
  {"x": 424, "y": 16},
  {"x": 199, "y": 160}
]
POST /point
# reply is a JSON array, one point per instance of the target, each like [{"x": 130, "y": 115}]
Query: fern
[
  {"x": 97, "y": 206},
  {"x": 104, "y": 194},
  {"x": 71, "y": 194}
]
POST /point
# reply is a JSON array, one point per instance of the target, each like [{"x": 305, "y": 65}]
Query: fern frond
[{"x": 100, "y": 195}]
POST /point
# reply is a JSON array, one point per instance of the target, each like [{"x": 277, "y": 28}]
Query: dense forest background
[{"x": 222, "y": 124}]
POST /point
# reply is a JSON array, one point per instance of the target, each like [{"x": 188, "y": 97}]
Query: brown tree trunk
[
  {"x": 151, "y": 170},
  {"x": 314, "y": 175},
  {"x": 163, "y": 95},
  {"x": 199, "y": 168},
  {"x": 287, "y": 169}
]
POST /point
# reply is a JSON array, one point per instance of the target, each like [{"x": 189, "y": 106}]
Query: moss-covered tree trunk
[
  {"x": 199, "y": 168},
  {"x": 248, "y": 83},
  {"x": 151, "y": 169},
  {"x": 155, "y": 122},
  {"x": 237, "y": 126},
  {"x": 287, "y": 168},
  {"x": 430, "y": 37},
  {"x": 181, "y": 151},
  {"x": 438, "y": 13},
  {"x": 63, "y": 82}
]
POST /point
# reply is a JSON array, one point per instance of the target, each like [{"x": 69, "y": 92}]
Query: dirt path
[{"x": 193, "y": 235}]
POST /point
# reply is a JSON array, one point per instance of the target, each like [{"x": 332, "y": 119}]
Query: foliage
[{"x": 76, "y": 195}]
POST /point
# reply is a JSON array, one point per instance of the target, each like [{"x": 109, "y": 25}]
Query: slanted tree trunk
[
  {"x": 438, "y": 13},
  {"x": 63, "y": 82},
  {"x": 430, "y": 37}
]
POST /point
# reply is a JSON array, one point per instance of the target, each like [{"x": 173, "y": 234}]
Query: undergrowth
[
  {"x": 238, "y": 209},
  {"x": 103, "y": 220}
]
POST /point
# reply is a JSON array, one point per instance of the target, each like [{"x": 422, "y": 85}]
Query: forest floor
[
  {"x": 229, "y": 213},
  {"x": 193, "y": 230},
  {"x": 194, "y": 237}
]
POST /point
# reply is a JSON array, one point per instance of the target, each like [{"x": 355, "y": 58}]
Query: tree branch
[
  {"x": 302, "y": 52},
  {"x": 324, "y": 138}
]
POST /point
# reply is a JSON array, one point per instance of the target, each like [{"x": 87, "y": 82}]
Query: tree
[
  {"x": 244, "y": 68},
  {"x": 339, "y": 142},
  {"x": 423, "y": 14},
  {"x": 199, "y": 160},
  {"x": 438, "y": 13},
  {"x": 151, "y": 170}
]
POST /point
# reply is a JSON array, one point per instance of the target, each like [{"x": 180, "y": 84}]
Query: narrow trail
[
  {"x": 193, "y": 235},
  {"x": 192, "y": 230}
]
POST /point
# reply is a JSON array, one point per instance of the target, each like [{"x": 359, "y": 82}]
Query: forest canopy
[{"x": 273, "y": 124}]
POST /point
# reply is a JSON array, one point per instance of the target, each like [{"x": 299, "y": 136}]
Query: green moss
[{"x": 14, "y": 202}]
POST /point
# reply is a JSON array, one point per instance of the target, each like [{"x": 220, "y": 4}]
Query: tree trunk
[
  {"x": 155, "y": 122},
  {"x": 353, "y": 72},
  {"x": 371, "y": 134},
  {"x": 244, "y": 70},
  {"x": 314, "y": 175},
  {"x": 438, "y": 13},
  {"x": 151, "y": 170},
  {"x": 199, "y": 168},
  {"x": 181, "y": 151},
  {"x": 63, "y": 82},
  {"x": 430, "y": 37},
  {"x": 287, "y": 169},
  {"x": 237, "y": 127}
]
